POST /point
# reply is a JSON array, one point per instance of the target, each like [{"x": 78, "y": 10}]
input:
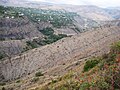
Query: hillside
[
  {"x": 37, "y": 27},
  {"x": 46, "y": 46},
  {"x": 29, "y": 25},
  {"x": 60, "y": 54},
  {"x": 55, "y": 60},
  {"x": 98, "y": 73},
  {"x": 87, "y": 11}
]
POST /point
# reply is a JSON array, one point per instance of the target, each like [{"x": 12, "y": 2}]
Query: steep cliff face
[{"x": 95, "y": 42}]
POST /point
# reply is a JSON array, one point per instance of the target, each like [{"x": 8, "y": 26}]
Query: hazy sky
[{"x": 102, "y": 3}]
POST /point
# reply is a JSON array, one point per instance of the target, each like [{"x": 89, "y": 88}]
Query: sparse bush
[
  {"x": 90, "y": 64},
  {"x": 2, "y": 83},
  {"x": 44, "y": 88},
  {"x": 111, "y": 58},
  {"x": 35, "y": 79},
  {"x": 102, "y": 85},
  {"x": 69, "y": 75},
  {"x": 50, "y": 39},
  {"x": 18, "y": 81},
  {"x": 84, "y": 86},
  {"x": 2, "y": 55},
  {"x": 25, "y": 49},
  {"x": 38, "y": 74},
  {"x": 47, "y": 31},
  {"x": 3, "y": 88},
  {"x": 2, "y": 39},
  {"x": 112, "y": 76},
  {"x": 115, "y": 48},
  {"x": 31, "y": 44},
  {"x": 67, "y": 85},
  {"x": 54, "y": 81}
]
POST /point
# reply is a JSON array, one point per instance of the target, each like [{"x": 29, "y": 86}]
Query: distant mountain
[
  {"x": 12, "y": 2},
  {"x": 115, "y": 13},
  {"x": 118, "y": 8},
  {"x": 23, "y": 3},
  {"x": 91, "y": 12},
  {"x": 87, "y": 11}
]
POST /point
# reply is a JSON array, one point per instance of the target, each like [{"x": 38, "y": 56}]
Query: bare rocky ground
[
  {"x": 28, "y": 83},
  {"x": 12, "y": 47}
]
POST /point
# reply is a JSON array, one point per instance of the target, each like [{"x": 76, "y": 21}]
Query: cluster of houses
[{"x": 13, "y": 14}]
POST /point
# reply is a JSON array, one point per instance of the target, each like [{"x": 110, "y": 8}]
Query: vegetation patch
[
  {"x": 47, "y": 31},
  {"x": 18, "y": 81},
  {"x": 49, "y": 38},
  {"x": 90, "y": 64},
  {"x": 31, "y": 44},
  {"x": 115, "y": 48},
  {"x": 35, "y": 79},
  {"x": 2, "y": 55},
  {"x": 38, "y": 74},
  {"x": 2, "y": 83}
]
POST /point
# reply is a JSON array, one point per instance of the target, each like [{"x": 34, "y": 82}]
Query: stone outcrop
[{"x": 85, "y": 45}]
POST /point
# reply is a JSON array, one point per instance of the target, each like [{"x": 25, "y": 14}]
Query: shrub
[
  {"x": 35, "y": 79},
  {"x": 111, "y": 58},
  {"x": 68, "y": 85},
  {"x": 25, "y": 49},
  {"x": 115, "y": 48},
  {"x": 31, "y": 44},
  {"x": 51, "y": 38},
  {"x": 90, "y": 64},
  {"x": 2, "y": 55},
  {"x": 54, "y": 81},
  {"x": 112, "y": 75},
  {"x": 38, "y": 74},
  {"x": 2, "y": 83},
  {"x": 68, "y": 75},
  {"x": 85, "y": 86},
  {"x": 102, "y": 85},
  {"x": 3, "y": 88},
  {"x": 2, "y": 39},
  {"x": 47, "y": 31},
  {"x": 18, "y": 81}
]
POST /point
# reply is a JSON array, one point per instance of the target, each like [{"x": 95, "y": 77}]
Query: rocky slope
[
  {"x": 85, "y": 45},
  {"x": 96, "y": 73},
  {"x": 13, "y": 47},
  {"x": 14, "y": 33},
  {"x": 20, "y": 28}
]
